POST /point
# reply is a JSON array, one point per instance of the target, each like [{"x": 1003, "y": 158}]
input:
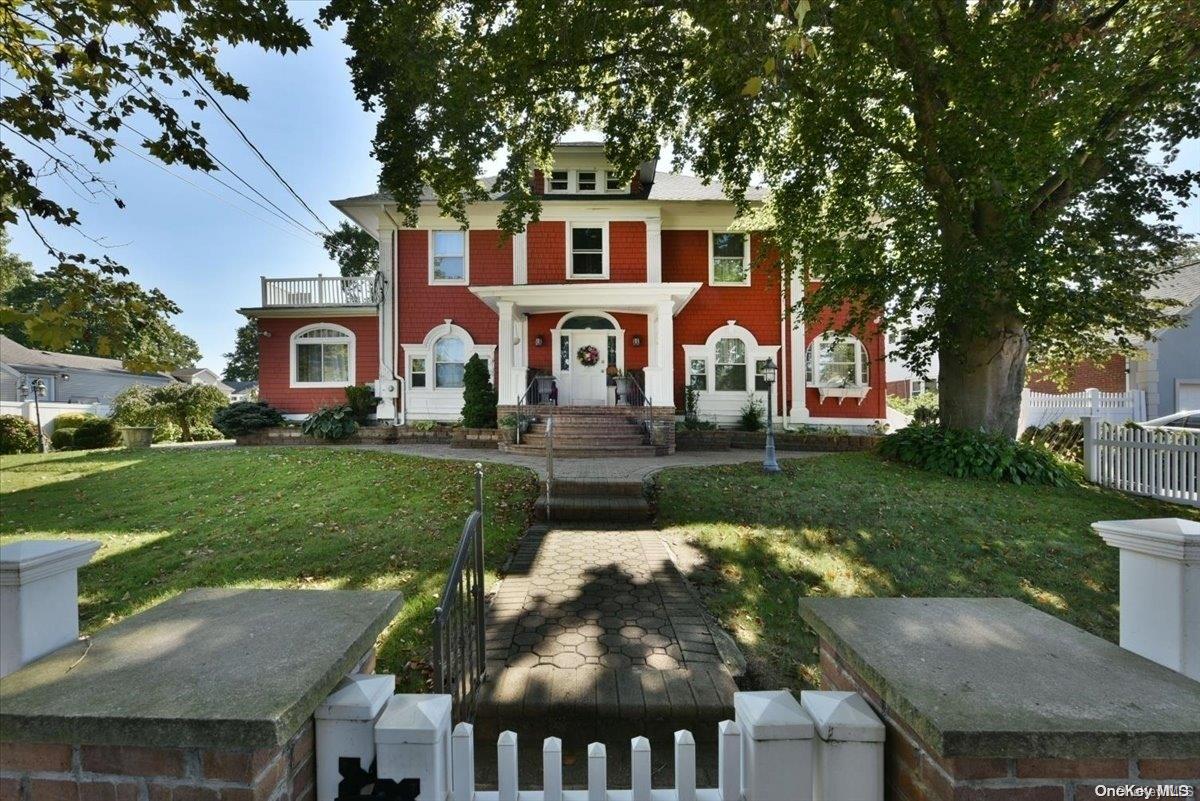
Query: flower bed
[{"x": 455, "y": 436}]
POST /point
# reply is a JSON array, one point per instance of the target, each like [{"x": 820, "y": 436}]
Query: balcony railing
[{"x": 320, "y": 290}]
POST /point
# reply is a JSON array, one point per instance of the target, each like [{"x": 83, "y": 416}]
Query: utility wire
[{"x": 258, "y": 153}]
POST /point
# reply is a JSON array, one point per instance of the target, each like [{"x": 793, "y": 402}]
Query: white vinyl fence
[
  {"x": 1042, "y": 408},
  {"x": 49, "y": 411},
  {"x": 826, "y": 747},
  {"x": 1160, "y": 463}
]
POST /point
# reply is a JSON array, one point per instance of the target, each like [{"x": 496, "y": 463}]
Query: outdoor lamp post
[
  {"x": 38, "y": 390},
  {"x": 769, "y": 373}
]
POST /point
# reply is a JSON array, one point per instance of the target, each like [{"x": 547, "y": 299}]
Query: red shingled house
[{"x": 622, "y": 274}]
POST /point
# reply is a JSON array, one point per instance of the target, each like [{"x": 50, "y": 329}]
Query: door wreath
[{"x": 588, "y": 355}]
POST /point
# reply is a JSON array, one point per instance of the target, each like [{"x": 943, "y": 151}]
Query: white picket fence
[
  {"x": 50, "y": 411},
  {"x": 1145, "y": 461},
  {"x": 1042, "y": 408},
  {"x": 828, "y": 746}
]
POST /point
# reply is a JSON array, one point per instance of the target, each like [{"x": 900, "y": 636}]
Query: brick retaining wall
[
  {"x": 723, "y": 440},
  {"x": 382, "y": 435}
]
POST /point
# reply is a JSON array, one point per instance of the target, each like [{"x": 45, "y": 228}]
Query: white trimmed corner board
[
  {"x": 1160, "y": 589},
  {"x": 39, "y": 598},
  {"x": 828, "y": 747}
]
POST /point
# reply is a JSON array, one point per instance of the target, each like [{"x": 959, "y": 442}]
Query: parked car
[{"x": 1188, "y": 419}]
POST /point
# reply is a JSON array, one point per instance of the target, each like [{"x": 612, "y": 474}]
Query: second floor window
[
  {"x": 586, "y": 180},
  {"x": 587, "y": 252},
  {"x": 448, "y": 264},
  {"x": 729, "y": 264}
]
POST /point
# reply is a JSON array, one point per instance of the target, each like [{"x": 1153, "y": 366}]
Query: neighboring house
[
  {"x": 1167, "y": 369},
  {"x": 645, "y": 269},
  {"x": 904, "y": 382},
  {"x": 69, "y": 378},
  {"x": 242, "y": 390},
  {"x": 202, "y": 375}
]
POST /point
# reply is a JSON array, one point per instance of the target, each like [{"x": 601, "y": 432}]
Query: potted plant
[{"x": 623, "y": 381}]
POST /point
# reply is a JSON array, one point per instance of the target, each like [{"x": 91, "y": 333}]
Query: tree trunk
[{"x": 981, "y": 374}]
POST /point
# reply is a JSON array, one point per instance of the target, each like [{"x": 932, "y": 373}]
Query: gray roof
[
  {"x": 240, "y": 386},
  {"x": 1183, "y": 286},
  {"x": 667, "y": 186},
  {"x": 186, "y": 372},
  {"x": 18, "y": 356}
]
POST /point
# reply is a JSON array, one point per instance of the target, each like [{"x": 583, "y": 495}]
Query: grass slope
[
  {"x": 856, "y": 525},
  {"x": 173, "y": 519}
]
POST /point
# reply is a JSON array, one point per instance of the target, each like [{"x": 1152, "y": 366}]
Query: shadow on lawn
[{"x": 305, "y": 518}]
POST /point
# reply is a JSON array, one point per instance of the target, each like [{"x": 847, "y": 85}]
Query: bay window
[{"x": 838, "y": 360}]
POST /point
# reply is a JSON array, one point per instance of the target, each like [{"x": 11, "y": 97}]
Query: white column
[
  {"x": 798, "y": 409},
  {"x": 848, "y": 758},
  {"x": 39, "y": 598},
  {"x": 386, "y": 410},
  {"x": 777, "y": 747},
  {"x": 660, "y": 378},
  {"x": 654, "y": 250},
  {"x": 1160, "y": 589},
  {"x": 520, "y": 259},
  {"x": 506, "y": 386}
]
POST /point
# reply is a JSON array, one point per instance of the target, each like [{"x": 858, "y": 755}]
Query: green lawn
[
  {"x": 856, "y": 525},
  {"x": 253, "y": 517}
]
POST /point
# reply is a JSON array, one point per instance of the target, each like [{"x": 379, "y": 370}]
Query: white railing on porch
[
  {"x": 319, "y": 290},
  {"x": 1159, "y": 463},
  {"x": 1043, "y": 408},
  {"x": 828, "y": 746}
]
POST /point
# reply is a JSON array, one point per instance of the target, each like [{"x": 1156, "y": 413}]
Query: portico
[{"x": 587, "y": 321}]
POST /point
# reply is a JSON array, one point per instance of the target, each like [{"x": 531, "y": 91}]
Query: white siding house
[{"x": 69, "y": 378}]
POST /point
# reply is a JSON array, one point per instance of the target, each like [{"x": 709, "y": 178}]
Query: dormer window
[
  {"x": 586, "y": 180},
  {"x": 560, "y": 181},
  {"x": 614, "y": 182}
]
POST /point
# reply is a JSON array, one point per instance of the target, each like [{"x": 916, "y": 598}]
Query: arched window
[
  {"x": 449, "y": 359},
  {"x": 323, "y": 356},
  {"x": 838, "y": 360},
  {"x": 730, "y": 364},
  {"x": 581, "y": 321}
]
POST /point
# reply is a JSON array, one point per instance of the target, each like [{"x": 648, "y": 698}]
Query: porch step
[
  {"x": 606, "y": 489},
  {"x": 592, "y": 509},
  {"x": 564, "y": 439},
  {"x": 580, "y": 451}
]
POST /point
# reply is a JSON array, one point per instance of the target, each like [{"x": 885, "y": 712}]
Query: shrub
[
  {"x": 18, "y": 435},
  {"x": 1063, "y": 438},
  {"x": 72, "y": 420},
  {"x": 362, "y": 401},
  {"x": 330, "y": 422},
  {"x": 909, "y": 406},
  {"x": 691, "y": 403},
  {"x": 133, "y": 406},
  {"x": 205, "y": 433},
  {"x": 98, "y": 433},
  {"x": 187, "y": 405},
  {"x": 246, "y": 417},
  {"x": 479, "y": 398},
  {"x": 424, "y": 425},
  {"x": 752, "y": 415},
  {"x": 166, "y": 431},
  {"x": 62, "y": 438},
  {"x": 973, "y": 454}
]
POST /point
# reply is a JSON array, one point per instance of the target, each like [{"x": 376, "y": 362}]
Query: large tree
[
  {"x": 81, "y": 78},
  {"x": 355, "y": 251},
  {"x": 75, "y": 310},
  {"x": 997, "y": 170},
  {"x": 241, "y": 364}
]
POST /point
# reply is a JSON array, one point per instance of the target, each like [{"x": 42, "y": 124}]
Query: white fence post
[
  {"x": 685, "y": 766},
  {"x": 639, "y": 759},
  {"x": 729, "y": 761},
  {"x": 597, "y": 772},
  {"x": 412, "y": 741},
  {"x": 777, "y": 747},
  {"x": 345, "y": 727},
  {"x": 1160, "y": 589},
  {"x": 462, "y": 762},
  {"x": 848, "y": 760},
  {"x": 552, "y": 769},
  {"x": 1090, "y": 466},
  {"x": 506, "y": 765}
]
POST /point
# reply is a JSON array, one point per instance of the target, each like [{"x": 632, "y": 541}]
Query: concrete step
[
  {"x": 576, "y": 440},
  {"x": 589, "y": 423},
  {"x": 563, "y": 488},
  {"x": 584, "y": 451},
  {"x": 592, "y": 509}
]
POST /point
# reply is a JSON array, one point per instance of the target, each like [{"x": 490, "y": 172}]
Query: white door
[
  {"x": 1187, "y": 395},
  {"x": 587, "y": 384}
]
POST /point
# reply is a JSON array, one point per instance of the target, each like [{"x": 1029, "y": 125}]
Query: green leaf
[{"x": 753, "y": 86}]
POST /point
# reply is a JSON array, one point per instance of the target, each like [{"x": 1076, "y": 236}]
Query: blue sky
[{"x": 208, "y": 255}]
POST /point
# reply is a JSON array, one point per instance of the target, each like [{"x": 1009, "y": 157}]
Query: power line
[{"x": 258, "y": 153}]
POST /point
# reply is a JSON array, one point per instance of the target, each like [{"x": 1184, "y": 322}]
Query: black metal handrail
[
  {"x": 459, "y": 649},
  {"x": 532, "y": 396},
  {"x": 636, "y": 396}
]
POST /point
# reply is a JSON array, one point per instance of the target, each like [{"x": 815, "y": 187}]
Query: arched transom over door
[{"x": 589, "y": 345}]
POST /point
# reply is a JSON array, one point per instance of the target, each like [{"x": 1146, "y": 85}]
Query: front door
[{"x": 586, "y": 383}]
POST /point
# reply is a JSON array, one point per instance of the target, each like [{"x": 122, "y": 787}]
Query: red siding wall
[
  {"x": 627, "y": 251},
  {"x": 756, "y": 307},
  {"x": 1106, "y": 377},
  {"x": 275, "y": 365},
  {"x": 547, "y": 252},
  {"x": 875, "y": 404},
  {"x": 421, "y": 307}
]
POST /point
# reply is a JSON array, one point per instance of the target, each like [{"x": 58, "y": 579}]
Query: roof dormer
[{"x": 580, "y": 168}]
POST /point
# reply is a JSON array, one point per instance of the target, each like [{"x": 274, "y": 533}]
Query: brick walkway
[{"x": 599, "y": 625}]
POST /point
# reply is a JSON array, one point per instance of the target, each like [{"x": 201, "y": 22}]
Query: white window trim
[
  {"x": 294, "y": 382},
  {"x": 573, "y": 183},
  {"x": 570, "y": 271},
  {"x": 425, "y": 350},
  {"x": 860, "y": 349},
  {"x": 708, "y": 351},
  {"x": 546, "y": 183},
  {"x": 622, "y": 189},
  {"x": 745, "y": 257},
  {"x": 466, "y": 279}
]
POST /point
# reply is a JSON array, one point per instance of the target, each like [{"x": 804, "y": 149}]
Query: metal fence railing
[{"x": 459, "y": 649}]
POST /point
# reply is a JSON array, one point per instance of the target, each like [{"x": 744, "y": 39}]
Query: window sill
[
  {"x": 729, "y": 284},
  {"x": 841, "y": 393},
  {"x": 448, "y": 282},
  {"x": 320, "y": 384},
  {"x": 597, "y": 277}
]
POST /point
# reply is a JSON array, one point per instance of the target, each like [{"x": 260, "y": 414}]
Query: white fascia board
[
  {"x": 364, "y": 215},
  {"x": 308, "y": 311},
  {"x": 606, "y": 295}
]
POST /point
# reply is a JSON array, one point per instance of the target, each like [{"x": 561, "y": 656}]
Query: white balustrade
[
  {"x": 319, "y": 290},
  {"x": 767, "y": 754},
  {"x": 1043, "y": 408}
]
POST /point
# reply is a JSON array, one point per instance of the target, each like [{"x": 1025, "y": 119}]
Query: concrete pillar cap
[
  {"x": 842, "y": 717},
  {"x": 30, "y": 560},
  {"x": 360, "y": 696},
  {"x": 772, "y": 715},
  {"x": 412, "y": 718},
  {"x": 1164, "y": 537}
]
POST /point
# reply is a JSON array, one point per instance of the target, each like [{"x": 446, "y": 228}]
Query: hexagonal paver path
[{"x": 600, "y": 623}]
